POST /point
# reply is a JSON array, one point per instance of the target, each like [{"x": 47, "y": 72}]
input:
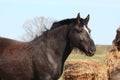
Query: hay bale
[
  {"x": 115, "y": 75},
  {"x": 102, "y": 73},
  {"x": 112, "y": 61},
  {"x": 84, "y": 70}
]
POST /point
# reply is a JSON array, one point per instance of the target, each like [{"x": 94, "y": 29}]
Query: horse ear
[
  {"x": 78, "y": 18},
  {"x": 87, "y": 18}
]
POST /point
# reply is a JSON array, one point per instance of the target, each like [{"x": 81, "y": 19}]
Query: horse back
[
  {"x": 15, "y": 63},
  {"x": 11, "y": 45}
]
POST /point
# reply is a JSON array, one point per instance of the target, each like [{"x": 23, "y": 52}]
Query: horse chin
[{"x": 87, "y": 53}]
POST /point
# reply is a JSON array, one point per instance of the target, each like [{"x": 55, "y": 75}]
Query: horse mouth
[{"x": 89, "y": 52}]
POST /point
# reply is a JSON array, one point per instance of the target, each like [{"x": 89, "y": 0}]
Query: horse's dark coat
[
  {"x": 115, "y": 75},
  {"x": 116, "y": 41},
  {"x": 43, "y": 58}
]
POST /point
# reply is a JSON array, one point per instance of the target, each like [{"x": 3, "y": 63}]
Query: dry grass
[
  {"x": 84, "y": 70},
  {"x": 112, "y": 61}
]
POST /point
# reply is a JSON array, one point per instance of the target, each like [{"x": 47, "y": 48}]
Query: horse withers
[{"x": 43, "y": 58}]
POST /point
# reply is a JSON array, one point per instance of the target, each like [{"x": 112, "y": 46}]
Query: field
[{"x": 99, "y": 56}]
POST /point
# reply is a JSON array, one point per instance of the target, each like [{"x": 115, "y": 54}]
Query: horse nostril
[{"x": 92, "y": 51}]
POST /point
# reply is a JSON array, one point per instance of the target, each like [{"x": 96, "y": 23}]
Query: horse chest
[
  {"x": 47, "y": 66},
  {"x": 54, "y": 64}
]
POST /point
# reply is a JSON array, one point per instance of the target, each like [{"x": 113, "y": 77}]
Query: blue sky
[{"x": 104, "y": 15}]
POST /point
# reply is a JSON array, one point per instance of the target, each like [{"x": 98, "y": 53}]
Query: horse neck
[
  {"x": 57, "y": 37},
  {"x": 57, "y": 41},
  {"x": 63, "y": 42}
]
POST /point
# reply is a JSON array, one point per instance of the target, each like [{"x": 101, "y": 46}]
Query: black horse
[{"x": 43, "y": 58}]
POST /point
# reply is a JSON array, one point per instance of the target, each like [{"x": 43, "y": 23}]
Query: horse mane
[
  {"x": 62, "y": 22},
  {"x": 56, "y": 25}
]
